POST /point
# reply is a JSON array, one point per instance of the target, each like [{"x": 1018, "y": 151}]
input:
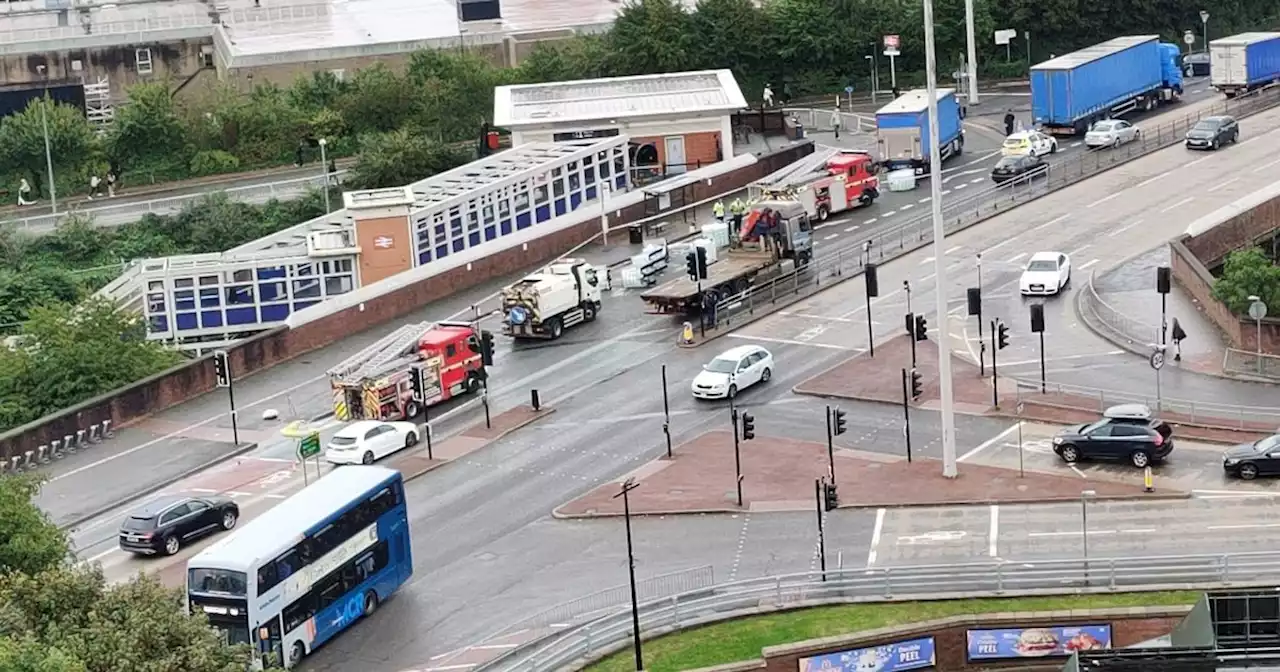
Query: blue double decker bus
[{"x": 305, "y": 570}]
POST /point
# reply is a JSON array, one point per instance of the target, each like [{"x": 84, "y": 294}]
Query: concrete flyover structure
[{"x": 676, "y": 121}]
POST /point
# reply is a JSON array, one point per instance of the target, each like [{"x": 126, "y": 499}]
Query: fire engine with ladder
[
  {"x": 825, "y": 182},
  {"x": 378, "y": 383}
]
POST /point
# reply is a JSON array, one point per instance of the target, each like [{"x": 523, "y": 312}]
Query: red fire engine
[
  {"x": 378, "y": 382},
  {"x": 825, "y": 183}
]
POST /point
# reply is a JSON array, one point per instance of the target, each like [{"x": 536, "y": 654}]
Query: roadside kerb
[
  {"x": 851, "y": 258},
  {"x": 578, "y": 645}
]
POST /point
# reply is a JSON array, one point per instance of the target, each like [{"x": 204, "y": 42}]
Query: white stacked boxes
[{"x": 717, "y": 232}]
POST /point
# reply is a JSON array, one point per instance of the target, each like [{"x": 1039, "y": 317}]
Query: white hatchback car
[
  {"x": 732, "y": 371},
  {"x": 1046, "y": 273},
  {"x": 364, "y": 441}
]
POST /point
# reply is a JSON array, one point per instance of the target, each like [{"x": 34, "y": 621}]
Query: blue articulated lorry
[
  {"x": 902, "y": 130},
  {"x": 1138, "y": 72},
  {"x": 1244, "y": 62}
]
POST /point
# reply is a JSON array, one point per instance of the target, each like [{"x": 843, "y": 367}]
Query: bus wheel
[
  {"x": 297, "y": 652},
  {"x": 370, "y": 603}
]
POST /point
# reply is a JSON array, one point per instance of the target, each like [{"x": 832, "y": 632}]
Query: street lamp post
[
  {"x": 972, "y": 60},
  {"x": 1204, "y": 28},
  {"x": 48, "y": 152},
  {"x": 939, "y": 246},
  {"x": 324, "y": 165},
  {"x": 874, "y": 84},
  {"x": 627, "y": 487},
  {"x": 1085, "y": 496}
]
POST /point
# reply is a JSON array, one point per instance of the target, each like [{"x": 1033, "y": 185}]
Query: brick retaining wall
[{"x": 269, "y": 348}]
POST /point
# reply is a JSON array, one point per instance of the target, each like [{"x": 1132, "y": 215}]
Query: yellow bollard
[{"x": 1147, "y": 484}]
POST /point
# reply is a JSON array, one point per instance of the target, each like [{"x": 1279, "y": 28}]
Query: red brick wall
[
  {"x": 698, "y": 147},
  {"x": 1193, "y": 276},
  {"x": 281, "y": 344}
]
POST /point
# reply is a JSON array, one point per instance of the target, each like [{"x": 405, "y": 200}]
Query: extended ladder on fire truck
[
  {"x": 789, "y": 175},
  {"x": 376, "y": 358}
]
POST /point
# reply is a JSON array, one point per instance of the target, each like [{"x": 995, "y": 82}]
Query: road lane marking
[
  {"x": 927, "y": 260},
  {"x": 1179, "y": 204},
  {"x": 976, "y": 180},
  {"x": 875, "y": 537},
  {"x": 1244, "y": 526},
  {"x": 925, "y": 199},
  {"x": 871, "y": 221},
  {"x": 785, "y": 341},
  {"x": 960, "y": 186},
  {"x": 1078, "y": 472},
  {"x": 808, "y": 316},
  {"x": 1265, "y": 166},
  {"x": 1074, "y": 144},
  {"x": 1077, "y": 252},
  {"x": 1024, "y": 362},
  {"x": 832, "y": 236},
  {"x": 1203, "y": 158},
  {"x": 1125, "y": 228},
  {"x": 1014, "y": 259},
  {"x": 953, "y": 250},
  {"x": 853, "y": 228},
  {"x": 1104, "y": 199},
  {"x": 1221, "y": 185},
  {"x": 989, "y": 442},
  {"x": 906, "y": 206},
  {"x": 1006, "y": 241},
  {"x": 995, "y": 530},
  {"x": 1089, "y": 263}
]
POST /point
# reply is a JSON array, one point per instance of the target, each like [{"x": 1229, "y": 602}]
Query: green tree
[
  {"x": 378, "y": 100},
  {"x": 261, "y": 128},
  {"x": 322, "y": 90},
  {"x": 453, "y": 93},
  {"x": 22, "y": 142},
  {"x": 399, "y": 158},
  {"x": 652, "y": 36},
  {"x": 29, "y": 541},
  {"x": 1248, "y": 273},
  {"x": 33, "y": 287},
  {"x": 804, "y": 44},
  {"x": 147, "y": 131},
  {"x": 729, "y": 34},
  {"x": 579, "y": 57}
]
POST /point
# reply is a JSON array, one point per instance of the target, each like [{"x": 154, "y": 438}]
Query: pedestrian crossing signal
[
  {"x": 222, "y": 368},
  {"x": 748, "y": 426},
  {"x": 838, "y": 423},
  {"x": 917, "y": 386},
  {"x": 921, "y": 328},
  {"x": 486, "y": 348},
  {"x": 830, "y": 499}
]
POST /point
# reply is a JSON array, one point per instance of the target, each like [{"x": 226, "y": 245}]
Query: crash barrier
[
  {"x": 398, "y": 298},
  {"x": 1132, "y": 334},
  {"x": 1242, "y": 363},
  {"x": 849, "y": 257},
  {"x": 578, "y": 644},
  {"x": 1095, "y": 400},
  {"x": 69, "y": 444}
]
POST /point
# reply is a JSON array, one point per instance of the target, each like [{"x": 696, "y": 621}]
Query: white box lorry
[{"x": 543, "y": 305}]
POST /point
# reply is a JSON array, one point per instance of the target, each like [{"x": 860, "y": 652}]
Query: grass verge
[{"x": 742, "y": 639}]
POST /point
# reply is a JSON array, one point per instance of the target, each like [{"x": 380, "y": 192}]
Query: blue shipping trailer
[
  {"x": 1243, "y": 62},
  {"x": 902, "y": 130},
  {"x": 1070, "y": 92}
]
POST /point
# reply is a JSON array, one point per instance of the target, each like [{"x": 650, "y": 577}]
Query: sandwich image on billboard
[
  {"x": 1060, "y": 640},
  {"x": 912, "y": 654}
]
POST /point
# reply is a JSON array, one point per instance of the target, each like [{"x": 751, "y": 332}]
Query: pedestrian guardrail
[
  {"x": 849, "y": 257},
  {"x": 1245, "y": 363},
  {"x": 575, "y": 646},
  {"x": 1207, "y": 413},
  {"x": 115, "y": 214},
  {"x": 1136, "y": 335}
]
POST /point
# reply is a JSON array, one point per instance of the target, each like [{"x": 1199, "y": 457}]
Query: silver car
[{"x": 1111, "y": 133}]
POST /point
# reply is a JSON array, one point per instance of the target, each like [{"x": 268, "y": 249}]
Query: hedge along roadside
[
  {"x": 190, "y": 380},
  {"x": 850, "y": 258}
]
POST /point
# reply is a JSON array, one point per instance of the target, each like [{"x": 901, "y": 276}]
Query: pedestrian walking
[
  {"x": 836, "y": 121},
  {"x": 718, "y": 211},
  {"x": 298, "y": 154},
  {"x": 896, "y": 92},
  {"x": 737, "y": 209},
  {"x": 95, "y": 186},
  {"x": 768, "y": 96},
  {"x": 333, "y": 172},
  {"x": 111, "y": 184},
  {"x": 1009, "y": 120},
  {"x": 24, "y": 190}
]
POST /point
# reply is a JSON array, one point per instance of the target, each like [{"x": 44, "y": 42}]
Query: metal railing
[
  {"x": 117, "y": 214},
  {"x": 1245, "y": 363},
  {"x": 820, "y": 120},
  {"x": 573, "y": 647},
  {"x": 1139, "y": 335},
  {"x": 849, "y": 257},
  {"x": 1092, "y": 399}
]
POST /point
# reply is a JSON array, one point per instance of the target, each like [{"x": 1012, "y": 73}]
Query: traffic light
[
  {"x": 922, "y": 328},
  {"x": 222, "y": 368},
  {"x": 486, "y": 348},
  {"x": 748, "y": 426},
  {"x": 838, "y": 423},
  {"x": 701, "y": 253},
  {"x": 691, "y": 265},
  {"x": 830, "y": 500},
  {"x": 419, "y": 389},
  {"x": 917, "y": 387},
  {"x": 910, "y": 320},
  {"x": 1002, "y": 336}
]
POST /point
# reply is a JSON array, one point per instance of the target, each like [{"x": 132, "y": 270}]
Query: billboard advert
[
  {"x": 912, "y": 654},
  {"x": 1061, "y": 640}
]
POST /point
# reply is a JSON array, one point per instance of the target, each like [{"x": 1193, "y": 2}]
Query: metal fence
[
  {"x": 573, "y": 647},
  {"x": 1244, "y": 363},
  {"x": 1137, "y": 335},
  {"x": 848, "y": 258},
  {"x": 117, "y": 214},
  {"x": 1226, "y": 416}
]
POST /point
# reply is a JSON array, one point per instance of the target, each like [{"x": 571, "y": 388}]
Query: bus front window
[{"x": 217, "y": 581}]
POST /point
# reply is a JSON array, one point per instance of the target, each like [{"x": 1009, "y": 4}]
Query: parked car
[
  {"x": 1047, "y": 273},
  {"x": 732, "y": 371},
  {"x": 1251, "y": 460},
  {"x": 365, "y": 441},
  {"x": 1032, "y": 143},
  {"x": 1126, "y": 433},
  {"x": 1213, "y": 132},
  {"x": 165, "y": 524},
  {"x": 1111, "y": 133},
  {"x": 1196, "y": 65},
  {"x": 1018, "y": 167}
]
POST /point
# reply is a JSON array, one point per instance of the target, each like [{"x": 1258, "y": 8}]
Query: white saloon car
[
  {"x": 364, "y": 441},
  {"x": 1032, "y": 143},
  {"x": 732, "y": 371},
  {"x": 1111, "y": 133},
  {"x": 1047, "y": 273}
]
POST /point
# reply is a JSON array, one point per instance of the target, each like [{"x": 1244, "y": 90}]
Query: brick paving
[
  {"x": 779, "y": 473},
  {"x": 879, "y": 379}
]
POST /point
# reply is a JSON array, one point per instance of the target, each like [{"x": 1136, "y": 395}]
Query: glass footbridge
[{"x": 206, "y": 301}]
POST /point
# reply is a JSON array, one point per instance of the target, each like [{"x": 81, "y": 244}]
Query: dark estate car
[
  {"x": 1196, "y": 65},
  {"x": 1213, "y": 132},
  {"x": 165, "y": 524},
  {"x": 1250, "y": 460},
  {"x": 1125, "y": 433},
  {"x": 1015, "y": 167}
]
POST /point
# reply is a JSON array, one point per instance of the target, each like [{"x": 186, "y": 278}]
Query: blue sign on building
[
  {"x": 1058, "y": 640},
  {"x": 913, "y": 654}
]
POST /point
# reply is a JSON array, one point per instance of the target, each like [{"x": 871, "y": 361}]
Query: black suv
[
  {"x": 1213, "y": 132},
  {"x": 1125, "y": 433},
  {"x": 1251, "y": 460},
  {"x": 163, "y": 525}
]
